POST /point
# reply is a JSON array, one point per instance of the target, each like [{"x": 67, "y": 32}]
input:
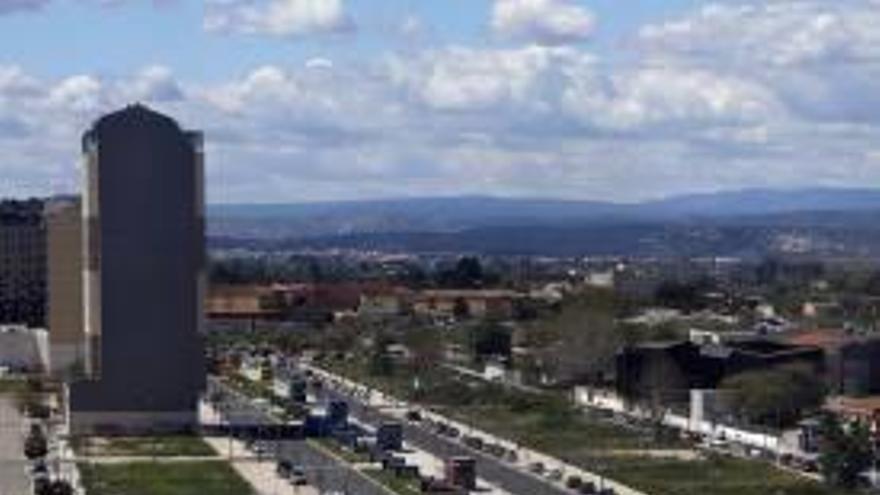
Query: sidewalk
[{"x": 261, "y": 475}]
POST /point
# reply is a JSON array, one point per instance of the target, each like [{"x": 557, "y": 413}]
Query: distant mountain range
[{"x": 750, "y": 222}]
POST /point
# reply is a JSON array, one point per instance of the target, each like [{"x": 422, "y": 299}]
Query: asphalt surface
[
  {"x": 13, "y": 477},
  {"x": 489, "y": 468},
  {"x": 322, "y": 470}
]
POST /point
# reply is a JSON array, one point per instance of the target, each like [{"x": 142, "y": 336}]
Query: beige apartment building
[{"x": 65, "y": 288}]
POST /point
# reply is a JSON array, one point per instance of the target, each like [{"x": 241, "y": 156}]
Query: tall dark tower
[{"x": 143, "y": 213}]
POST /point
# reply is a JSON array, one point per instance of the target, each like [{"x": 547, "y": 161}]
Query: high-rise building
[
  {"x": 22, "y": 263},
  {"x": 144, "y": 277},
  {"x": 67, "y": 341}
]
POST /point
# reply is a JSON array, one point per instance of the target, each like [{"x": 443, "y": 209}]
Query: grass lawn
[
  {"x": 544, "y": 425},
  {"x": 573, "y": 435},
  {"x": 162, "y": 446},
  {"x": 722, "y": 476},
  {"x": 12, "y": 385},
  {"x": 399, "y": 485},
  {"x": 347, "y": 455},
  {"x": 148, "y": 478}
]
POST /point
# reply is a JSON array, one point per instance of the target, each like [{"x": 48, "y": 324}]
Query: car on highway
[
  {"x": 475, "y": 443},
  {"x": 298, "y": 477},
  {"x": 537, "y": 467},
  {"x": 555, "y": 475},
  {"x": 284, "y": 468}
]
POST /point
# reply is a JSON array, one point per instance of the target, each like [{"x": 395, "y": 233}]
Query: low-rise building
[
  {"x": 499, "y": 304},
  {"x": 853, "y": 361},
  {"x": 385, "y": 301},
  {"x": 865, "y": 410},
  {"x": 676, "y": 368},
  {"x": 23, "y": 350},
  {"x": 247, "y": 302},
  {"x": 22, "y": 263}
]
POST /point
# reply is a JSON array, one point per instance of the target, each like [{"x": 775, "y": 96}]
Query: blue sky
[
  {"x": 305, "y": 100},
  {"x": 81, "y": 35}
]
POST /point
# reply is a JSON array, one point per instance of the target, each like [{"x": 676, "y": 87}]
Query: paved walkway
[
  {"x": 261, "y": 475},
  {"x": 13, "y": 466}
]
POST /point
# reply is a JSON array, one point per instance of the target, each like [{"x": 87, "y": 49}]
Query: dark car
[{"x": 284, "y": 468}]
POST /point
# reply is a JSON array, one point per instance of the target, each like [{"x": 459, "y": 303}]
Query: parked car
[
  {"x": 555, "y": 475},
  {"x": 284, "y": 468},
  {"x": 475, "y": 443},
  {"x": 298, "y": 477},
  {"x": 537, "y": 467},
  {"x": 495, "y": 450},
  {"x": 587, "y": 488}
]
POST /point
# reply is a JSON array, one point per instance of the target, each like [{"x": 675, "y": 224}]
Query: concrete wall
[{"x": 23, "y": 349}]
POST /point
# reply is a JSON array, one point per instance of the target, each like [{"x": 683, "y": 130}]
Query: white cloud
[
  {"x": 822, "y": 58},
  {"x": 655, "y": 96},
  {"x": 784, "y": 32},
  {"x": 81, "y": 93},
  {"x": 155, "y": 83},
  {"x": 461, "y": 78},
  {"x": 12, "y": 6},
  {"x": 279, "y": 18},
  {"x": 9, "y": 6},
  {"x": 716, "y": 99},
  {"x": 548, "y": 22},
  {"x": 319, "y": 63}
]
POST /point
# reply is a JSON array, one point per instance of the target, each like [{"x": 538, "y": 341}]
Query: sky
[{"x": 313, "y": 100}]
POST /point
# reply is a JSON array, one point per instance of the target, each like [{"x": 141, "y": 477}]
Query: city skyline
[{"x": 330, "y": 100}]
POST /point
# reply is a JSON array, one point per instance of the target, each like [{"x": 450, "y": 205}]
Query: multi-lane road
[
  {"x": 322, "y": 470},
  {"x": 493, "y": 470},
  {"x": 330, "y": 474}
]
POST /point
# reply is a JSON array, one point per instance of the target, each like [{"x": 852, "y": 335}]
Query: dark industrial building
[
  {"x": 852, "y": 360},
  {"x": 673, "y": 369},
  {"x": 22, "y": 263},
  {"x": 143, "y": 213}
]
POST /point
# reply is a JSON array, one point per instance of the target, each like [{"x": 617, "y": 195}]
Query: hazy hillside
[{"x": 813, "y": 207}]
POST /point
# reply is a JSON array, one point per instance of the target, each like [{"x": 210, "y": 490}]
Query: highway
[
  {"x": 489, "y": 468},
  {"x": 328, "y": 474},
  {"x": 321, "y": 469}
]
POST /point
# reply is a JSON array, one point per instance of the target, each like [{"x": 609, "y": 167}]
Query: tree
[
  {"x": 585, "y": 338},
  {"x": 491, "y": 339},
  {"x": 35, "y": 446},
  {"x": 61, "y": 487},
  {"x": 775, "y": 397},
  {"x": 381, "y": 363},
  {"x": 460, "y": 309},
  {"x": 686, "y": 297},
  {"x": 468, "y": 273},
  {"x": 845, "y": 451},
  {"x": 426, "y": 347}
]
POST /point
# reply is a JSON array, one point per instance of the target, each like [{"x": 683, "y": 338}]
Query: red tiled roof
[{"x": 824, "y": 338}]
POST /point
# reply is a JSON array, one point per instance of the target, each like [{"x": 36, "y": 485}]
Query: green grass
[
  {"x": 547, "y": 425},
  {"x": 147, "y": 478},
  {"x": 12, "y": 386},
  {"x": 168, "y": 446},
  {"x": 345, "y": 454},
  {"x": 399, "y": 485},
  {"x": 573, "y": 435},
  {"x": 719, "y": 476}
]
